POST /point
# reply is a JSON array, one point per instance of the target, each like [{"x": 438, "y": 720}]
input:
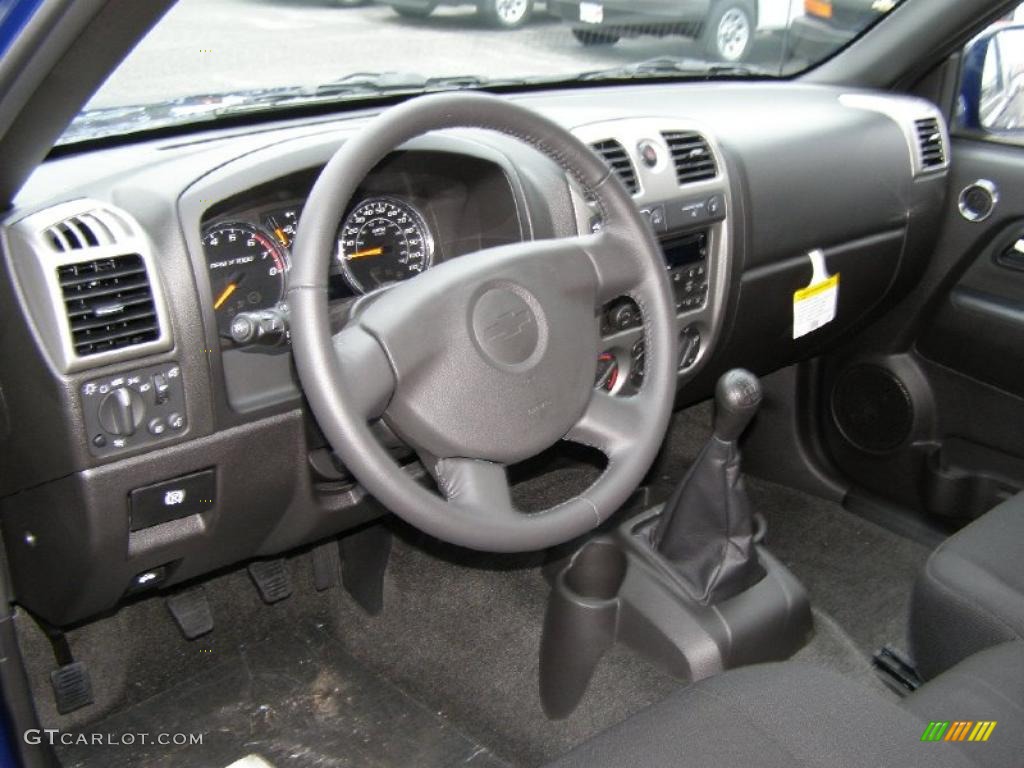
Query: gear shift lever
[{"x": 706, "y": 529}]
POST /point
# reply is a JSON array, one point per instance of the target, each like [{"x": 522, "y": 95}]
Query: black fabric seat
[
  {"x": 971, "y": 593},
  {"x": 788, "y": 715},
  {"x": 986, "y": 686}
]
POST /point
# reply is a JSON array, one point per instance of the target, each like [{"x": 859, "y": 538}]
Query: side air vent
[
  {"x": 87, "y": 276},
  {"x": 87, "y": 230},
  {"x": 692, "y": 156},
  {"x": 929, "y": 139},
  {"x": 109, "y": 304},
  {"x": 616, "y": 157}
]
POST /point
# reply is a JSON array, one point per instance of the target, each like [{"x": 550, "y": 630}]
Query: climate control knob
[{"x": 121, "y": 412}]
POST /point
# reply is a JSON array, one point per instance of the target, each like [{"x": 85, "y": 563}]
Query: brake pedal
[
  {"x": 896, "y": 670},
  {"x": 271, "y": 579},
  {"x": 191, "y": 612},
  {"x": 72, "y": 687}
]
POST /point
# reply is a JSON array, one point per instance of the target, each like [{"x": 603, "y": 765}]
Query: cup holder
[{"x": 597, "y": 572}]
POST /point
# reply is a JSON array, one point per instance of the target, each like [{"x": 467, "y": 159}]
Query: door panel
[{"x": 926, "y": 408}]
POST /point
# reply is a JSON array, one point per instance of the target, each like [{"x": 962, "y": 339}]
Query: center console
[
  {"x": 686, "y": 584},
  {"x": 679, "y": 180}
]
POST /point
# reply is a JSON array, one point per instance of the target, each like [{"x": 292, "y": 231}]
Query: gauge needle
[
  {"x": 366, "y": 254},
  {"x": 281, "y": 236},
  {"x": 225, "y": 295}
]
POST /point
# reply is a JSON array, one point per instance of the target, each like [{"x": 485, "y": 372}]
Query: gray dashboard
[{"x": 794, "y": 169}]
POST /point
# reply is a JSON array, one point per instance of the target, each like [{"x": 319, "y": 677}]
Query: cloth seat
[
  {"x": 970, "y": 595},
  {"x": 790, "y": 714}
]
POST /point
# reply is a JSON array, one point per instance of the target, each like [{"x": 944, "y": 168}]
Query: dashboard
[{"x": 155, "y": 411}]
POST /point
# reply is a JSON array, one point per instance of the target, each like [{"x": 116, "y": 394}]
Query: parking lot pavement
[{"x": 211, "y": 46}]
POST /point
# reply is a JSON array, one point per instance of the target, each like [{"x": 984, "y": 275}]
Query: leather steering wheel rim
[{"x": 508, "y": 371}]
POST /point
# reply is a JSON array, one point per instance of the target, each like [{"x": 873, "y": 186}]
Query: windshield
[{"x": 209, "y": 58}]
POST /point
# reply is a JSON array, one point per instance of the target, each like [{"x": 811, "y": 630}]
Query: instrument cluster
[{"x": 381, "y": 241}]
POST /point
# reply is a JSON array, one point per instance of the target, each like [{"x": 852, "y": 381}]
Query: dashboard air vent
[
  {"x": 87, "y": 230},
  {"x": 692, "y": 156},
  {"x": 109, "y": 304},
  {"x": 616, "y": 157},
  {"x": 929, "y": 139}
]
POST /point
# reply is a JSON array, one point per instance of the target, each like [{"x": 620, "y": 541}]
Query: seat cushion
[
  {"x": 988, "y": 686},
  {"x": 786, "y": 715},
  {"x": 971, "y": 594}
]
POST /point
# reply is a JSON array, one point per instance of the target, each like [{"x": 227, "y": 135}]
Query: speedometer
[{"x": 383, "y": 241}]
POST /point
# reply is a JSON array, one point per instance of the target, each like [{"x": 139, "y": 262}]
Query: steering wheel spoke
[
  {"x": 368, "y": 381},
  {"x": 609, "y": 424},
  {"x": 618, "y": 270},
  {"x": 481, "y": 486}
]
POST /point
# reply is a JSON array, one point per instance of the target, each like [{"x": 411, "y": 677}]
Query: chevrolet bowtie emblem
[{"x": 509, "y": 325}]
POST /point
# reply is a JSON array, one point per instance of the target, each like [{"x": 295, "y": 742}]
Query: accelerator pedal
[{"x": 326, "y": 566}]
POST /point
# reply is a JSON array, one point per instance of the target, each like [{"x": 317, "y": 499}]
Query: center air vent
[
  {"x": 109, "y": 304},
  {"x": 692, "y": 156},
  {"x": 616, "y": 157},
  {"x": 929, "y": 139}
]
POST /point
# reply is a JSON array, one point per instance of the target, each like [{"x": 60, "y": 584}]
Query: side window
[{"x": 992, "y": 83}]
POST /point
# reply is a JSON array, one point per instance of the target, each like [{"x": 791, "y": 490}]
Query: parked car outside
[
  {"x": 828, "y": 25},
  {"x": 725, "y": 27},
  {"x": 501, "y": 14}
]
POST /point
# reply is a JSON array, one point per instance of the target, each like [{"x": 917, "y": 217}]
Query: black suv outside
[{"x": 726, "y": 27}]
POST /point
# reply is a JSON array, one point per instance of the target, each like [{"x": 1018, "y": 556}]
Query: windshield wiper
[
  {"x": 361, "y": 83},
  {"x": 669, "y": 66},
  {"x": 104, "y": 121}
]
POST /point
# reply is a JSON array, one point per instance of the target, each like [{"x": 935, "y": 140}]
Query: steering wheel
[{"x": 488, "y": 359}]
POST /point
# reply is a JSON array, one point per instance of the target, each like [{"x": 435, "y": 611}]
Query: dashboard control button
[
  {"x": 623, "y": 317},
  {"x": 656, "y": 217},
  {"x": 121, "y": 412},
  {"x": 157, "y": 427},
  {"x": 176, "y": 421},
  {"x": 715, "y": 205},
  {"x": 648, "y": 153},
  {"x": 149, "y": 579},
  {"x": 172, "y": 499},
  {"x": 160, "y": 388},
  {"x": 99, "y": 441},
  {"x": 689, "y": 347}
]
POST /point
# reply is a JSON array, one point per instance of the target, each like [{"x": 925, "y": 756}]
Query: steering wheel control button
[
  {"x": 172, "y": 499},
  {"x": 506, "y": 327},
  {"x": 978, "y": 200},
  {"x": 132, "y": 409}
]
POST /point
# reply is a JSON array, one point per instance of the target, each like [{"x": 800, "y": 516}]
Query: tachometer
[
  {"x": 247, "y": 271},
  {"x": 383, "y": 241}
]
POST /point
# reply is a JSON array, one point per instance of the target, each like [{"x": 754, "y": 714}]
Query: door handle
[{"x": 1013, "y": 257}]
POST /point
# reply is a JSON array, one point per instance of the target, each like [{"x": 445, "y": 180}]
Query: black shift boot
[{"x": 706, "y": 529}]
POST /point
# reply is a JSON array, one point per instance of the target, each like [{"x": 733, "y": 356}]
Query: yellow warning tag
[{"x": 815, "y": 305}]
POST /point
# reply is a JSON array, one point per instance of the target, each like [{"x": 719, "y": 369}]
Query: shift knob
[{"x": 737, "y": 400}]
